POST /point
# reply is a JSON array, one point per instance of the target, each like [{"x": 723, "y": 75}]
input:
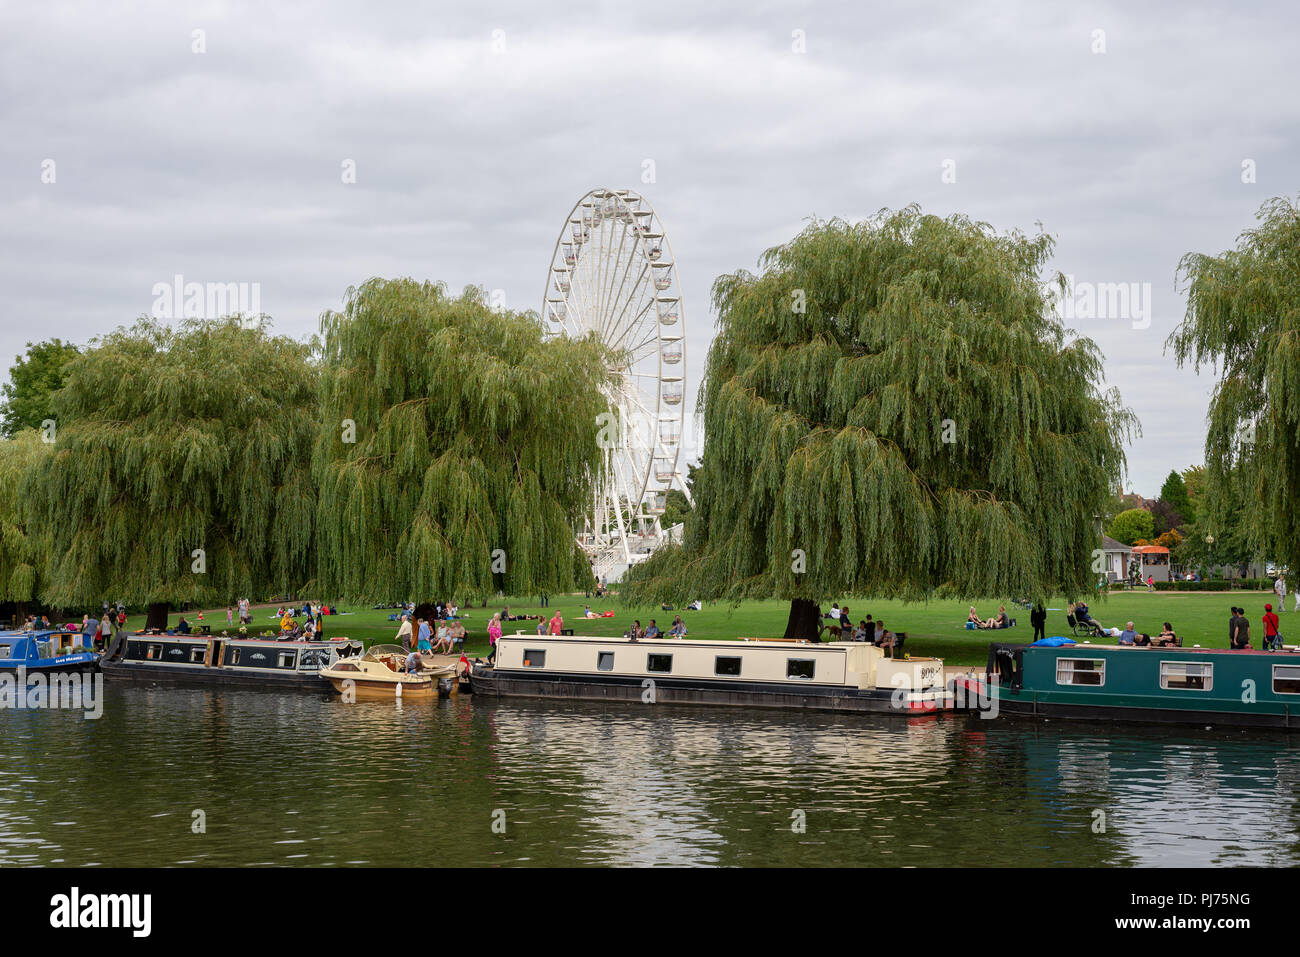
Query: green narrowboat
[{"x": 1171, "y": 685}]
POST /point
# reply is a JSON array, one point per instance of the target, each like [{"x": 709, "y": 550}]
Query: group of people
[
  {"x": 872, "y": 631},
  {"x": 636, "y": 633},
  {"x": 1239, "y": 629},
  {"x": 441, "y": 635},
  {"x": 96, "y": 630},
  {"x": 1167, "y": 638},
  {"x": 1000, "y": 620}
]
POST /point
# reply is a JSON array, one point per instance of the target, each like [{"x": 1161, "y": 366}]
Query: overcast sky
[{"x": 474, "y": 128}]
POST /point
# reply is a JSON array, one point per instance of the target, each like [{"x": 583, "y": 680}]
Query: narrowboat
[
  {"x": 1165, "y": 685},
  {"x": 379, "y": 677},
  {"x": 835, "y": 676},
  {"x": 222, "y": 660},
  {"x": 45, "y": 652}
]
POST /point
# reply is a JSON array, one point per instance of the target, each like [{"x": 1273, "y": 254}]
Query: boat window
[
  {"x": 1080, "y": 671},
  {"x": 1187, "y": 675},
  {"x": 6, "y": 651},
  {"x": 287, "y": 659},
  {"x": 1286, "y": 679},
  {"x": 659, "y": 663},
  {"x": 726, "y": 666},
  {"x": 153, "y": 652},
  {"x": 44, "y": 649},
  {"x": 534, "y": 658},
  {"x": 801, "y": 668},
  {"x": 605, "y": 661},
  {"x": 196, "y": 654},
  {"x": 234, "y": 656}
]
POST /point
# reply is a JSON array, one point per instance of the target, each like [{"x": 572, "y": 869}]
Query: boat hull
[
  {"x": 1028, "y": 706},
  {"x": 211, "y": 677},
  {"x": 493, "y": 683},
  {"x": 80, "y": 667},
  {"x": 363, "y": 689}
]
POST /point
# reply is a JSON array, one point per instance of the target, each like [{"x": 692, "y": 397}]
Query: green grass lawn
[{"x": 933, "y": 628}]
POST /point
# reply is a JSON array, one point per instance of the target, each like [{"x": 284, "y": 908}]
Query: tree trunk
[
  {"x": 156, "y": 617},
  {"x": 804, "y": 621}
]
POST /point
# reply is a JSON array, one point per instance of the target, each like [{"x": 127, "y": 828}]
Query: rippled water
[{"x": 293, "y": 778}]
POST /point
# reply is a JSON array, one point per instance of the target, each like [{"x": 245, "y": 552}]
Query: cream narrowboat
[{"x": 838, "y": 676}]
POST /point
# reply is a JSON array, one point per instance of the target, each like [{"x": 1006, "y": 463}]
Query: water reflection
[{"x": 285, "y": 779}]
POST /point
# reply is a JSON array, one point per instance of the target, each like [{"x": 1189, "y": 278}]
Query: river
[{"x": 180, "y": 777}]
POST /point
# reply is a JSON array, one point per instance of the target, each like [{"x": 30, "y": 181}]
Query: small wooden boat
[
  {"x": 834, "y": 676},
  {"x": 379, "y": 675},
  {"x": 45, "y": 652},
  {"x": 1164, "y": 685}
]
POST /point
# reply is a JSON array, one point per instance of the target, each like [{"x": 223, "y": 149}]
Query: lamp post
[{"x": 1209, "y": 542}]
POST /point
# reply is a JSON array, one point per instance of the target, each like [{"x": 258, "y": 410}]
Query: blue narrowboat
[
  {"x": 1166, "y": 685},
  {"x": 45, "y": 652}
]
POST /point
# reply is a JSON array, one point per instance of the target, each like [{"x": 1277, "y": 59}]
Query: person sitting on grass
[
  {"x": 588, "y": 613},
  {"x": 678, "y": 630},
  {"x": 974, "y": 617},
  {"x": 1000, "y": 620}
]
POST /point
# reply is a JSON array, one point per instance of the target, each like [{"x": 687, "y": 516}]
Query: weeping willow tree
[
  {"x": 181, "y": 467},
  {"x": 891, "y": 408},
  {"x": 23, "y": 548},
  {"x": 455, "y": 450},
  {"x": 1243, "y": 316}
]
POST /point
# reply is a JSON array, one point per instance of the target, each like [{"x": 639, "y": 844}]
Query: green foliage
[
  {"x": 171, "y": 440},
  {"x": 1174, "y": 494},
  {"x": 23, "y": 548},
  {"x": 33, "y": 379},
  {"x": 1243, "y": 315},
  {"x": 826, "y": 426},
  {"x": 472, "y": 434},
  {"x": 676, "y": 505},
  {"x": 1131, "y": 525}
]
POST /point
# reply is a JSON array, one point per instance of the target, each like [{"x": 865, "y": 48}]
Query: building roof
[{"x": 1109, "y": 544}]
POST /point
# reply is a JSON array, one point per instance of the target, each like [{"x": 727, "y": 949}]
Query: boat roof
[
  {"x": 1084, "y": 646},
  {"x": 39, "y": 634},
  {"x": 692, "y": 642}
]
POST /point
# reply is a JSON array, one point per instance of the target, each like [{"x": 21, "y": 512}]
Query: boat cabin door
[{"x": 212, "y": 659}]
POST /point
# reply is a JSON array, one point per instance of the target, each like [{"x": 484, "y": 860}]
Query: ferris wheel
[{"x": 613, "y": 273}]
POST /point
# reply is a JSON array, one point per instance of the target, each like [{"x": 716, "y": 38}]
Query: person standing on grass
[
  {"x": 404, "y": 633},
  {"x": 1272, "y": 640},
  {"x": 1233, "y": 625},
  {"x": 1242, "y": 637},
  {"x": 557, "y": 625},
  {"x": 424, "y": 635},
  {"x": 1279, "y": 587},
  {"x": 494, "y": 633},
  {"x": 1038, "y": 618}
]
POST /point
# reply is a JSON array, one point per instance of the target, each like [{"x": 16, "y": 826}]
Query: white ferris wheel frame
[{"x": 623, "y": 523}]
